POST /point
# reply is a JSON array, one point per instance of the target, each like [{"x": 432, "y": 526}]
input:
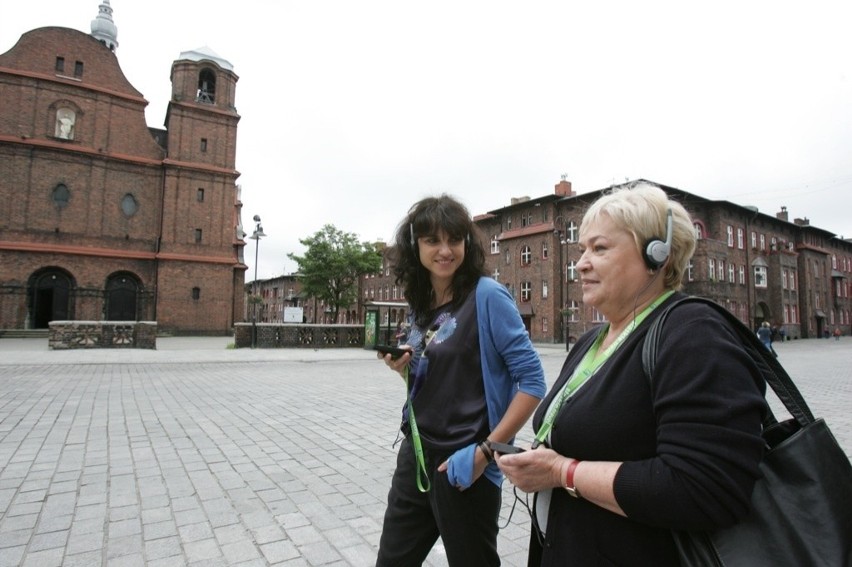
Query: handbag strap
[{"x": 771, "y": 370}]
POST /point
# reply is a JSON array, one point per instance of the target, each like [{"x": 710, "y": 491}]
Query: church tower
[{"x": 201, "y": 228}]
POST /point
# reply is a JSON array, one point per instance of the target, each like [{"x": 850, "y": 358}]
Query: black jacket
[{"x": 690, "y": 449}]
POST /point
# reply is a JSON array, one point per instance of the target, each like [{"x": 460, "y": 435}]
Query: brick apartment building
[
  {"x": 102, "y": 217},
  {"x": 761, "y": 267}
]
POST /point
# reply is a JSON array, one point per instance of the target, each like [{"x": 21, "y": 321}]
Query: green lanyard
[
  {"x": 415, "y": 440},
  {"x": 589, "y": 365}
]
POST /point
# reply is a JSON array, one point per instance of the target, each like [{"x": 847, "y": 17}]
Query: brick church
[{"x": 102, "y": 217}]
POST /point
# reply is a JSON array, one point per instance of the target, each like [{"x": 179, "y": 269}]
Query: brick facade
[
  {"x": 791, "y": 274},
  {"x": 531, "y": 247},
  {"x": 102, "y": 217}
]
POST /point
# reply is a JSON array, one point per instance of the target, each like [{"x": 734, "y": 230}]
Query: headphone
[{"x": 656, "y": 251}]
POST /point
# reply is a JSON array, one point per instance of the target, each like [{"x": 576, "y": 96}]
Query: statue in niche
[{"x": 65, "y": 119}]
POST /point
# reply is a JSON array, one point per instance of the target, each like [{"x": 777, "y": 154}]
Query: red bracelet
[{"x": 569, "y": 479}]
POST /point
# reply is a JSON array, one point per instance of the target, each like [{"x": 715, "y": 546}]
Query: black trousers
[{"x": 465, "y": 520}]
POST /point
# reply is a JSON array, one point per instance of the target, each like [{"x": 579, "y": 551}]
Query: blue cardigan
[{"x": 510, "y": 364}]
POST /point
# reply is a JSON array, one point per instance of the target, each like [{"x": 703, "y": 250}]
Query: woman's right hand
[
  {"x": 397, "y": 364},
  {"x": 533, "y": 470}
]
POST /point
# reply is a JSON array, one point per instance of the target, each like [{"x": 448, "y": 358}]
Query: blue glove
[{"x": 460, "y": 467}]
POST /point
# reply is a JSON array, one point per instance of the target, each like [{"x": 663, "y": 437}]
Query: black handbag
[{"x": 801, "y": 509}]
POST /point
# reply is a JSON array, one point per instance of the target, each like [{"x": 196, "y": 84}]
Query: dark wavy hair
[{"x": 427, "y": 217}]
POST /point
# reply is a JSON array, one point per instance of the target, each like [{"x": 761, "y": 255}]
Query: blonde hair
[{"x": 641, "y": 209}]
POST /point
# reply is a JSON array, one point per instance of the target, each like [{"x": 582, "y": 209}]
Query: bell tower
[{"x": 201, "y": 241}]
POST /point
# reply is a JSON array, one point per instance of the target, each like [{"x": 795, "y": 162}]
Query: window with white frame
[
  {"x": 526, "y": 256},
  {"x": 721, "y": 273},
  {"x": 730, "y": 231},
  {"x": 784, "y": 279},
  {"x": 740, "y": 238},
  {"x": 763, "y": 242},
  {"x": 495, "y": 245},
  {"x": 508, "y": 258},
  {"x": 572, "y": 231},
  {"x": 732, "y": 273},
  {"x": 690, "y": 267},
  {"x": 574, "y": 312},
  {"x": 526, "y": 291},
  {"x": 760, "y": 276},
  {"x": 544, "y": 327},
  {"x": 544, "y": 289},
  {"x": 544, "y": 250},
  {"x": 741, "y": 270},
  {"x": 571, "y": 271},
  {"x": 711, "y": 268}
]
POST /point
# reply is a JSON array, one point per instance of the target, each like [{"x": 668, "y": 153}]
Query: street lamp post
[{"x": 256, "y": 236}]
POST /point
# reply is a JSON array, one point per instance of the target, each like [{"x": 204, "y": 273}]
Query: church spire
[{"x": 103, "y": 28}]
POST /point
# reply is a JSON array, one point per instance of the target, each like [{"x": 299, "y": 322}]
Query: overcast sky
[{"x": 352, "y": 111}]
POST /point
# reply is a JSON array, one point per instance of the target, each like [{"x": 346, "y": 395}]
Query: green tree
[{"x": 332, "y": 265}]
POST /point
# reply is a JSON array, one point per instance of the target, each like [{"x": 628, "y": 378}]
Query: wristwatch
[{"x": 569, "y": 479}]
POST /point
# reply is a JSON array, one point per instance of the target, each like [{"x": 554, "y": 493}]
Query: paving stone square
[{"x": 195, "y": 454}]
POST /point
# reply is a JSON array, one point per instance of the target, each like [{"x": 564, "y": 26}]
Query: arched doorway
[
  {"x": 122, "y": 293},
  {"x": 50, "y": 297},
  {"x": 761, "y": 314}
]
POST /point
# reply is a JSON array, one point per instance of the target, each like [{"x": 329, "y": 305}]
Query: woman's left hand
[
  {"x": 533, "y": 470},
  {"x": 479, "y": 464}
]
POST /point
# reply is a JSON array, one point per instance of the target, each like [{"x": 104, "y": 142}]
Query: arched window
[{"x": 206, "y": 86}]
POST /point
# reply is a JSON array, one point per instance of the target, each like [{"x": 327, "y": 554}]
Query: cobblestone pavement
[{"x": 195, "y": 454}]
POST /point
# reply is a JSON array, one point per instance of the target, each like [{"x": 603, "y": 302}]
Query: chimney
[
  {"x": 563, "y": 188},
  {"x": 802, "y": 222},
  {"x": 782, "y": 215}
]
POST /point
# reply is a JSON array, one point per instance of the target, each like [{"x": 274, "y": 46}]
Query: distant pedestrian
[
  {"x": 837, "y": 333},
  {"x": 764, "y": 333}
]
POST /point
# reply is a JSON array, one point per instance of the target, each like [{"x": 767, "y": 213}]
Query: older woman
[{"x": 618, "y": 463}]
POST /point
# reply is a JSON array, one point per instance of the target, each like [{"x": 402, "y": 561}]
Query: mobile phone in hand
[
  {"x": 395, "y": 352},
  {"x": 505, "y": 448}
]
